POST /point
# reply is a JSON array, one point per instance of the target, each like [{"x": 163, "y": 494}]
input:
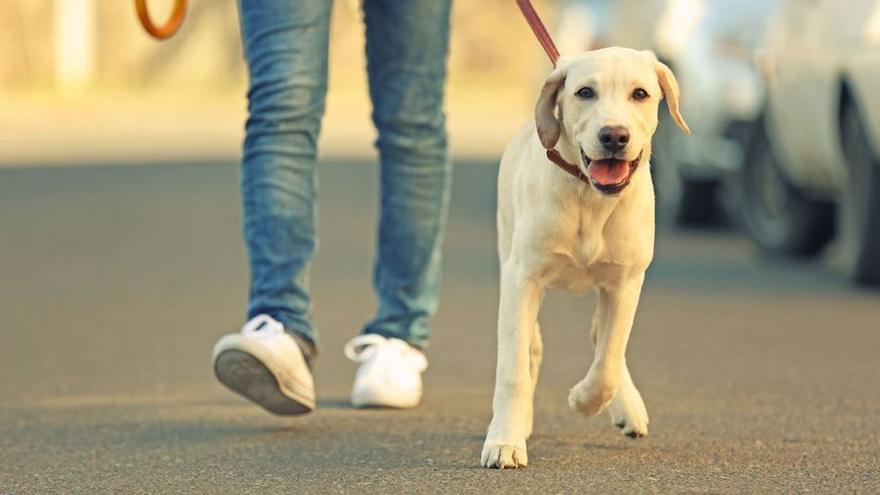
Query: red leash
[
  {"x": 550, "y": 48},
  {"x": 539, "y": 29}
]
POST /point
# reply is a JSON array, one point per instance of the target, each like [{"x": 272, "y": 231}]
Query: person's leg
[
  {"x": 407, "y": 43},
  {"x": 285, "y": 46}
]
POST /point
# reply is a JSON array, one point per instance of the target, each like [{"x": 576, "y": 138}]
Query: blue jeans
[{"x": 285, "y": 46}]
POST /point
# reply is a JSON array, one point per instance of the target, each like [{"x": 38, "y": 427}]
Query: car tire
[
  {"x": 780, "y": 218},
  {"x": 699, "y": 205},
  {"x": 860, "y": 204}
]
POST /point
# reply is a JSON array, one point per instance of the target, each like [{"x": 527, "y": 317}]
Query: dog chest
[{"x": 594, "y": 252}]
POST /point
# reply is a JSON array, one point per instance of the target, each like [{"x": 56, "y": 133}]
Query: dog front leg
[
  {"x": 505, "y": 445},
  {"x": 612, "y": 324},
  {"x": 627, "y": 409},
  {"x": 536, "y": 354}
]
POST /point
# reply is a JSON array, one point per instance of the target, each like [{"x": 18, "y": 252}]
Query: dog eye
[
  {"x": 585, "y": 93},
  {"x": 640, "y": 94}
]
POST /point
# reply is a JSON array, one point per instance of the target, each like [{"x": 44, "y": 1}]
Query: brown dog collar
[{"x": 554, "y": 156}]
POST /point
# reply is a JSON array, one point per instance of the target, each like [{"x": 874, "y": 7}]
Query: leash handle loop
[
  {"x": 539, "y": 29},
  {"x": 169, "y": 28}
]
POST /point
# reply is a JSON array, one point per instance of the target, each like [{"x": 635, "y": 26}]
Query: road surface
[{"x": 116, "y": 281}]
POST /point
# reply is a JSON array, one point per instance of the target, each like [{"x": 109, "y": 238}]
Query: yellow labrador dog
[{"x": 590, "y": 227}]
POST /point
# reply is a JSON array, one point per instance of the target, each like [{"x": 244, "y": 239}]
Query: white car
[{"x": 813, "y": 167}]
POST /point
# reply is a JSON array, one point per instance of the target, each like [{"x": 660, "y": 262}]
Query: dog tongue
[{"x": 608, "y": 172}]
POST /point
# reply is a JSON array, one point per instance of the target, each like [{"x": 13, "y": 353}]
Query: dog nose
[{"x": 614, "y": 138}]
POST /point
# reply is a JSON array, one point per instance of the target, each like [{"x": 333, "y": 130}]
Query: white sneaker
[
  {"x": 390, "y": 374},
  {"x": 265, "y": 364}
]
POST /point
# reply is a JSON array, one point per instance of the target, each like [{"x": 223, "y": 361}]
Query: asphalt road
[{"x": 116, "y": 281}]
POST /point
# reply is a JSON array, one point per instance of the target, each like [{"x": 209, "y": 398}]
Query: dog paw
[
  {"x": 590, "y": 396},
  {"x": 632, "y": 430},
  {"x": 628, "y": 413},
  {"x": 504, "y": 456}
]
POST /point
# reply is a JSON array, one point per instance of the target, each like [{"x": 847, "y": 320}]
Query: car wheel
[
  {"x": 699, "y": 205},
  {"x": 781, "y": 219},
  {"x": 860, "y": 204}
]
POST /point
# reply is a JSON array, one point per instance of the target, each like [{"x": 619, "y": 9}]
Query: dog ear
[
  {"x": 669, "y": 85},
  {"x": 546, "y": 122}
]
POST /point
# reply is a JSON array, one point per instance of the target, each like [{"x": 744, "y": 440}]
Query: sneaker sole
[{"x": 249, "y": 377}]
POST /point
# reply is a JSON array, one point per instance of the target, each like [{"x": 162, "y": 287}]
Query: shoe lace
[
  {"x": 365, "y": 347},
  {"x": 262, "y": 326}
]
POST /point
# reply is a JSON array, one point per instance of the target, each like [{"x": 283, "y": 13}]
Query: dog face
[{"x": 607, "y": 103}]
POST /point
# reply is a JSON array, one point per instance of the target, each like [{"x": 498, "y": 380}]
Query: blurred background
[
  {"x": 769, "y": 88},
  {"x": 121, "y": 258},
  {"x": 71, "y": 62}
]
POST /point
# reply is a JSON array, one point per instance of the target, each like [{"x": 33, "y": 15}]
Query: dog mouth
[{"x": 610, "y": 175}]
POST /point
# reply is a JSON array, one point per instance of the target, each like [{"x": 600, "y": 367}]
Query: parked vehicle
[
  {"x": 722, "y": 94},
  {"x": 813, "y": 165}
]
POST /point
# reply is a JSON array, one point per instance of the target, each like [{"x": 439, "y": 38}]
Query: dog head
[{"x": 605, "y": 102}]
